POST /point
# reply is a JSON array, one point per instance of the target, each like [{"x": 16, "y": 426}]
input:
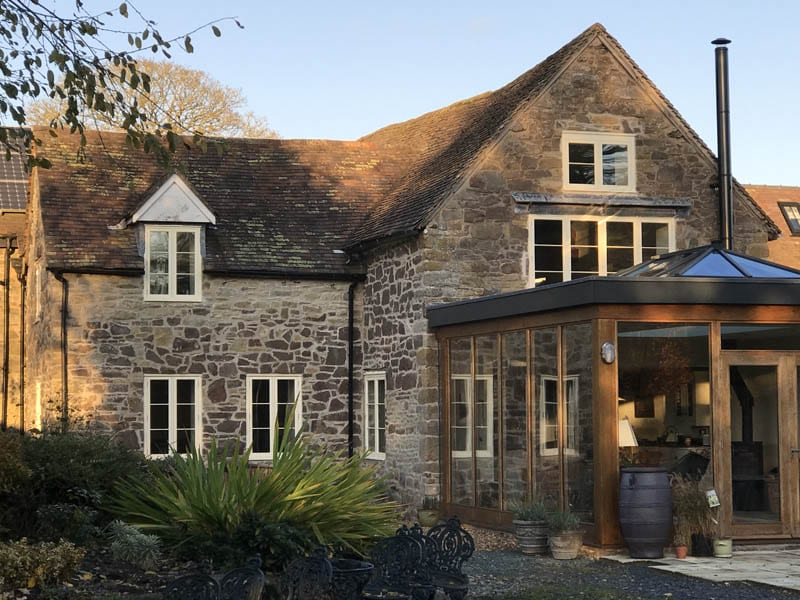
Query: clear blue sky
[{"x": 338, "y": 70}]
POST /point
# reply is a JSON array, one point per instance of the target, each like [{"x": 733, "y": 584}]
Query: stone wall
[
  {"x": 242, "y": 327},
  {"x": 397, "y": 341},
  {"x": 12, "y": 371}
]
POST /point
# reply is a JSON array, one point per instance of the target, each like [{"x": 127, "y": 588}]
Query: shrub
[
  {"x": 130, "y": 545},
  {"x": 14, "y": 473},
  {"x": 532, "y": 509},
  {"x": 23, "y": 564},
  {"x": 333, "y": 500},
  {"x": 78, "y": 468},
  {"x": 561, "y": 521},
  {"x": 69, "y": 521}
]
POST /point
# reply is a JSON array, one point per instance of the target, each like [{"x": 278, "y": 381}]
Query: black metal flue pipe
[{"x": 725, "y": 182}]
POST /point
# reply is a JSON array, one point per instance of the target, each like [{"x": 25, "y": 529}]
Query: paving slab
[{"x": 778, "y": 568}]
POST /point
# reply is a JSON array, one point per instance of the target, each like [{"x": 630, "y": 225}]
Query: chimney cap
[{"x": 721, "y": 41}]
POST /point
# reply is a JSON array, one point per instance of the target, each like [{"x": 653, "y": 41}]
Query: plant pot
[
  {"x": 428, "y": 517},
  {"x": 565, "y": 545},
  {"x": 701, "y": 545},
  {"x": 723, "y": 547},
  {"x": 349, "y": 576},
  {"x": 531, "y": 536},
  {"x": 681, "y": 551}
]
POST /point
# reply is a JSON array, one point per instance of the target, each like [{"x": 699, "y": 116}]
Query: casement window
[
  {"x": 598, "y": 162},
  {"x": 172, "y": 263},
  {"x": 548, "y": 415},
  {"x": 172, "y": 417},
  {"x": 270, "y": 400},
  {"x": 375, "y": 414},
  {"x": 471, "y": 415},
  {"x": 563, "y": 248},
  {"x": 791, "y": 212}
]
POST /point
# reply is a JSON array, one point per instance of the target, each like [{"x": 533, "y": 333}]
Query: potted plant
[
  {"x": 530, "y": 525},
  {"x": 681, "y": 538},
  {"x": 566, "y": 536},
  {"x": 693, "y": 514},
  {"x": 428, "y": 515}
]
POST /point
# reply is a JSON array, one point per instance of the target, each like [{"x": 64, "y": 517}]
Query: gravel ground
[{"x": 498, "y": 570}]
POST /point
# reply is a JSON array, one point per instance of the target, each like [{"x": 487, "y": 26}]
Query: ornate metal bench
[
  {"x": 413, "y": 564},
  {"x": 320, "y": 578},
  {"x": 243, "y": 583}
]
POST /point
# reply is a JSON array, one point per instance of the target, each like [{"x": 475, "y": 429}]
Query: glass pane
[
  {"x": 185, "y": 440},
  {"x": 583, "y": 233},
  {"x": 544, "y": 442},
  {"x": 584, "y": 261},
  {"x": 756, "y": 268},
  {"x": 618, "y": 259},
  {"x": 619, "y": 233},
  {"x": 159, "y": 442},
  {"x": 547, "y": 231},
  {"x": 159, "y": 263},
  {"x": 754, "y": 443},
  {"x": 581, "y": 174},
  {"x": 543, "y": 278},
  {"x": 665, "y": 396},
  {"x": 515, "y": 417},
  {"x": 462, "y": 476},
  {"x": 159, "y": 284},
  {"x": 615, "y": 164},
  {"x": 581, "y": 153},
  {"x": 185, "y": 416},
  {"x": 655, "y": 235},
  {"x": 548, "y": 258},
  {"x": 159, "y": 242},
  {"x": 261, "y": 440},
  {"x": 185, "y": 390},
  {"x": 159, "y": 391},
  {"x": 159, "y": 416},
  {"x": 485, "y": 425},
  {"x": 576, "y": 402},
  {"x": 185, "y": 285},
  {"x": 185, "y": 263},
  {"x": 184, "y": 241},
  {"x": 369, "y": 416},
  {"x": 261, "y": 416},
  {"x": 752, "y": 336}
]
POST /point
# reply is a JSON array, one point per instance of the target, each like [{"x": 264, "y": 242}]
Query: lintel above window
[{"x": 598, "y": 161}]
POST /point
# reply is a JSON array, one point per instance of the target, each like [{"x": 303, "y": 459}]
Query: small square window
[
  {"x": 791, "y": 212},
  {"x": 595, "y": 161}
]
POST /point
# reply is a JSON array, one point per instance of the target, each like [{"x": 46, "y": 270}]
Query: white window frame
[
  {"x": 172, "y": 295},
  {"x": 571, "y": 383},
  {"x": 173, "y": 411},
  {"x": 602, "y": 245},
  {"x": 273, "y": 409},
  {"x": 372, "y": 420},
  {"x": 470, "y": 396},
  {"x": 598, "y": 139}
]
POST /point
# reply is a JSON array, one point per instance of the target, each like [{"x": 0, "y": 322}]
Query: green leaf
[{"x": 216, "y": 30}]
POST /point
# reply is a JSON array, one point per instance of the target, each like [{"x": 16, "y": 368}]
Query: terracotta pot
[
  {"x": 565, "y": 545},
  {"x": 531, "y": 536},
  {"x": 723, "y": 547},
  {"x": 681, "y": 551}
]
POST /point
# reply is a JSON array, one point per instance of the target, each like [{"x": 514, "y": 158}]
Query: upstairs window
[
  {"x": 791, "y": 212},
  {"x": 569, "y": 247},
  {"x": 172, "y": 263},
  {"x": 270, "y": 399},
  {"x": 598, "y": 162},
  {"x": 375, "y": 414}
]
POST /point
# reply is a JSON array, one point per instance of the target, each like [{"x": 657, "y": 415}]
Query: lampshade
[{"x": 627, "y": 437}]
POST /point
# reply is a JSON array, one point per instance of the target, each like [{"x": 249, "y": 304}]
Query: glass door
[{"x": 759, "y": 411}]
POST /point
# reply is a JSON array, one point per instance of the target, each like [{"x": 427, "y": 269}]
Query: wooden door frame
[{"x": 786, "y": 363}]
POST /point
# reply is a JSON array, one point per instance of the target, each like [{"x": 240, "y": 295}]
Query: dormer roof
[{"x": 175, "y": 201}]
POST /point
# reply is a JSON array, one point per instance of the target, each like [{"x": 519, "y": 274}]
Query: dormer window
[
  {"x": 598, "y": 162},
  {"x": 173, "y": 220},
  {"x": 791, "y": 212},
  {"x": 172, "y": 262}
]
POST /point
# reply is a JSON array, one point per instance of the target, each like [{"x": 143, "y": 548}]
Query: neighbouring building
[{"x": 437, "y": 293}]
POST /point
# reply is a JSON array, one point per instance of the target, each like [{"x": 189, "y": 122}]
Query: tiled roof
[{"x": 281, "y": 205}]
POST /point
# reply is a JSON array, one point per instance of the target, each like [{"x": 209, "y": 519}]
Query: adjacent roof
[
  {"x": 785, "y": 249},
  {"x": 282, "y": 206}
]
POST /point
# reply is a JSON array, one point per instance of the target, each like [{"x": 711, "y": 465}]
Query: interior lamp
[{"x": 627, "y": 440}]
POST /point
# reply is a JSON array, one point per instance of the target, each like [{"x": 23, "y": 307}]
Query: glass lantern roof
[{"x": 709, "y": 261}]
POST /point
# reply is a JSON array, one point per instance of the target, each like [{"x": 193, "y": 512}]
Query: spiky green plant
[{"x": 338, "y": 500}]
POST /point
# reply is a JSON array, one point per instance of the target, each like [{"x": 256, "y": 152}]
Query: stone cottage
[{"x": 170, "y": 305}]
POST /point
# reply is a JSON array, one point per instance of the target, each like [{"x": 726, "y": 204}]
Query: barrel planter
[
  {"x": 531, "y": 536},
  {"x": 645, "y": 510}
]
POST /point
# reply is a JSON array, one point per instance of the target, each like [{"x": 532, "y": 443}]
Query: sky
[{"x": 339, "y": 70}]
